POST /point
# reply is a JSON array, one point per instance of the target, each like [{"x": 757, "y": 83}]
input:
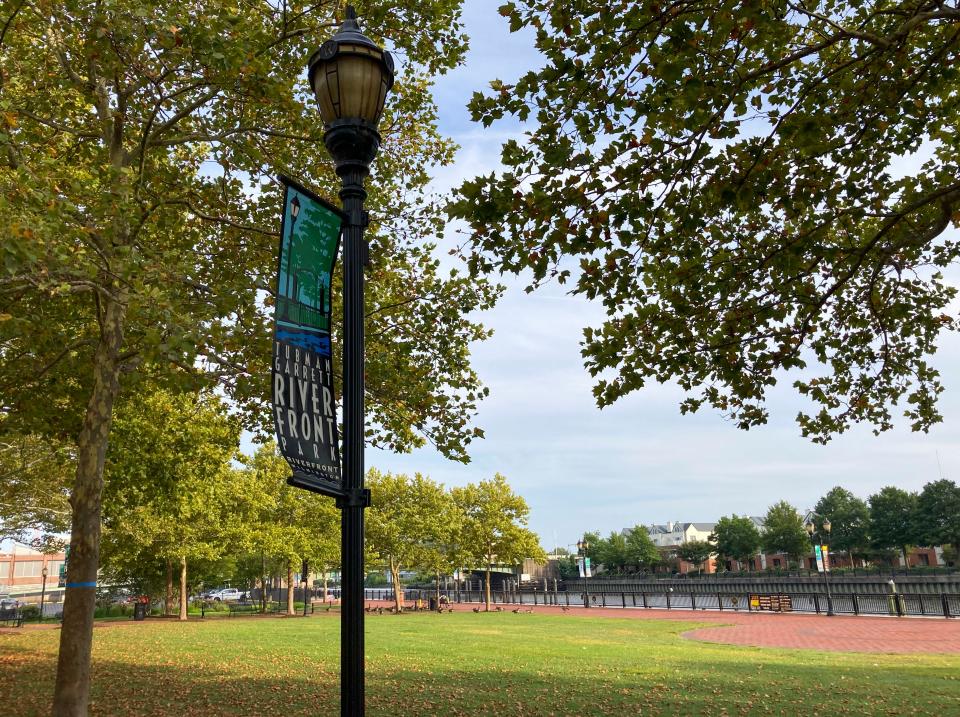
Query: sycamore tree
[
  {"x": 893, "y": 520},
  {"x": 139, "y": 142},
  {"x": 34, "y": 491},
  {"x": 409, "y": 525},
  {"x": 755, "y": 191},
  {"x": 938, "y": 513},
  {"x": 169, "y": 486},
  {"x": 736, "y": 537},
  {"x": 642, "y": 552},
  {"x": 493, "y": 527},
  {"x": 849, "y": 520},
  {"x": 783, "y": 531},
  {"x": 695, "y": 552},
  {"x": 283, "y": 525}
]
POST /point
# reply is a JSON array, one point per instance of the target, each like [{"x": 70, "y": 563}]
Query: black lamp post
[
  {"x": 582, "y": 547},
  {"x": 305, "y": 572},
  {"x": 43, "y": 591},
  {"x": 351, "y": 76},
  {"x": 823, "y": 533}
]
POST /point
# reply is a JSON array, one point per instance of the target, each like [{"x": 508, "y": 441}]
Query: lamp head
[
  {"x": 826, "y": 524},
  {"x": 295, "y": 207},
  {"x": 351, "y": 76},
  {"x": 810, "y": 527}
]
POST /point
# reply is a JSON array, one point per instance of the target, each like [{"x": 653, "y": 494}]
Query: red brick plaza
[{"x": 901, "y": 635}]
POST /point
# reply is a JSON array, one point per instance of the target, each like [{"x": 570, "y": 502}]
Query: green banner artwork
[{"x": 304, "y": 403}]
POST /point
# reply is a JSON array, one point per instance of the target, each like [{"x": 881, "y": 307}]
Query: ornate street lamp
[
  {"x": 43, "y": 591},
  {"x": 294, "y": 213},
  {"x": 811, "y": 529},
  {"x": 350, "y": 76}
]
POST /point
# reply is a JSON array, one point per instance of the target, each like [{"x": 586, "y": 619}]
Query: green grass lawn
[{"x": 466, "y": 664}]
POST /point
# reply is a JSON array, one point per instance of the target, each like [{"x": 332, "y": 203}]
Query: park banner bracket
[{"x": 304, "y": 400}]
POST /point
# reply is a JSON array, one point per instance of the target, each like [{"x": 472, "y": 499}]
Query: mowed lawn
[{"x": 468, "y": 664}]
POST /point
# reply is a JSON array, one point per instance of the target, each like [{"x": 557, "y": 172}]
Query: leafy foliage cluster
[
  {"x": 178, "y": 492},
  {"x": 890, "y": 520},
  {"x": 630, "y": 550},
  {"x": 754, "y": 190}
]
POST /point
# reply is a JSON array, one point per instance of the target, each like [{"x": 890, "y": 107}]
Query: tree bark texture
[
  {"x": 397, "y": 585},
  {"x": 183, "y": 588},
  {"x": 486, "y": 587},
  {"x": 263, "y": 583},
  {"x": 72, "y": 691},
  {"x": 290, "y": 588},
  {"x": 168, "y": 598}
]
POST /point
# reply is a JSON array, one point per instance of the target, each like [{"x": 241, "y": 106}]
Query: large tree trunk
[
  {"x": 487, "y": 588},
  {"x": 183, "y": 587},
  {"x": 168, "y": 597},
  {"x": 263, "y": 583},
  {"x": 397, "y": 585},
  {"x": 290, "y": 588},
  {"x": 72, "y": 691}
]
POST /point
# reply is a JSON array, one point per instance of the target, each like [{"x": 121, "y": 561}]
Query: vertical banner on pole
[
  {"x": 304, "y": 402},
  {"x": 817, "y": 550}
]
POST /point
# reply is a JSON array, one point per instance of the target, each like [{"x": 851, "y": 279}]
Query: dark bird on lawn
[
  {"x": 476, "y": 609},
  {"x": 499, "y": 609},
  {"x": 379, "y": 611},
  {"x": 517, "y": 611},
  {"x": 564, "y": 608}
]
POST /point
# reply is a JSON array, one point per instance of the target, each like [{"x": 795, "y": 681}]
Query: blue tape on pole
[{"x": 81, "y": 585}]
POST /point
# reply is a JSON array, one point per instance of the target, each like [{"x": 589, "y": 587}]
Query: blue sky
[{"x": 639, "y": 461}]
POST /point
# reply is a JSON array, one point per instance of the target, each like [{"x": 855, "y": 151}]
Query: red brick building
[{"x": 22, "y": 569}]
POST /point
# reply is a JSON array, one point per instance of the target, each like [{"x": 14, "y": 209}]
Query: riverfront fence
[{"x": 899, "y": 604}]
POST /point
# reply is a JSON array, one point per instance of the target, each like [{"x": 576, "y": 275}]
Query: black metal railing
[
  {"x": 946, "y": 605},
  {"x": 299, "y": 313}
]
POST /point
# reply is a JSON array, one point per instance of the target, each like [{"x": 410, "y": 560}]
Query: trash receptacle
[
  {"x": 433, "y": 604},
  {"x": 140, "y": 611}
]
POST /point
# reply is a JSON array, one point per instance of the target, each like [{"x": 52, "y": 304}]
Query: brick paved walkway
[{"x": 813, "y": 632}]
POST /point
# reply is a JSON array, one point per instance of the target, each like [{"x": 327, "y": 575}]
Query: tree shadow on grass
[{"x": 744, "y": 682}]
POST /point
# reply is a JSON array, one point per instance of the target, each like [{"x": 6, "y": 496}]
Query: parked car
[
  {"x": 227, "y": 595},
  {"x": 9, "y": 603}
]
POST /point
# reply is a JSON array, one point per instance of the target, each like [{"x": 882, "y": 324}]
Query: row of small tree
[
  {"x": 627, "y": 551},
  {"x": 417, "y": 524},
  {"x": 184, "y": 508},
  {"x": 889, "y": 521}
]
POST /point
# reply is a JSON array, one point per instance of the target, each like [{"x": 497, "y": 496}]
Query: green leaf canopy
[{"x": 753, "y": 190}]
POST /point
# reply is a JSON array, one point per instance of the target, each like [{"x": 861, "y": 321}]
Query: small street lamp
[
  {"x": 43, "y": 591},
  {"x": 824, "y": 533},
  {"x": 582, "y": 547},
  {"x": 351, "y": 76},
  {"x": 294, "y": 213}
]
